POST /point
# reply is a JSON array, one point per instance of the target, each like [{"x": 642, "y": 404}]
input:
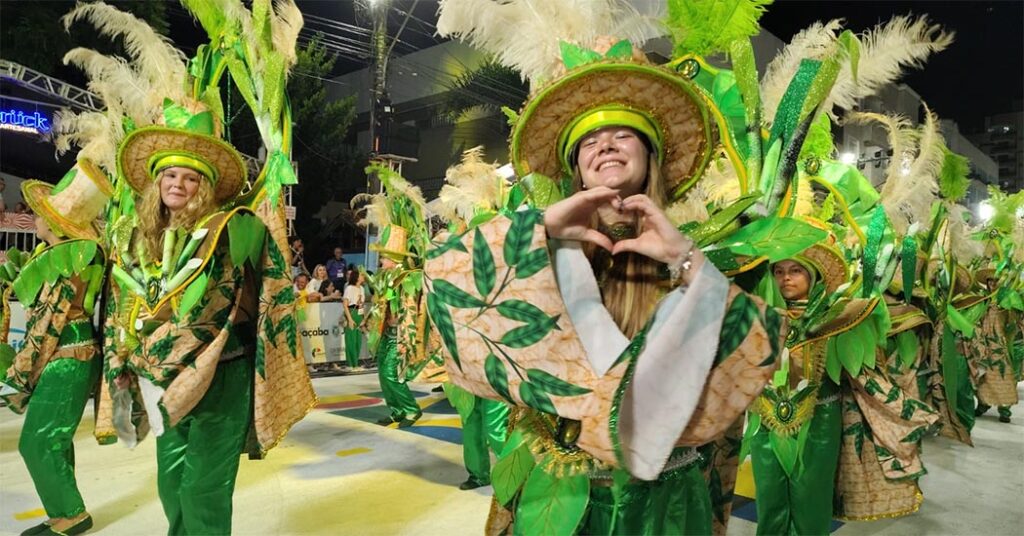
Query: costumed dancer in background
[
  {"x": 394, "y": 340},
  {"x": 474, "y": 189},
  {"x": 995, "y": 369},
  {"x": 53, "y": 376}
]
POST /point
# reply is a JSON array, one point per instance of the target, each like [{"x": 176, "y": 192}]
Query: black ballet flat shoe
[
  {"x": 38, "y": 529},
  {"x": 385, "y": 421},
  {"x": 78, "y": 528},
  {"x": 472, "y": 483},
  {"x": 1003, "y": 418}
]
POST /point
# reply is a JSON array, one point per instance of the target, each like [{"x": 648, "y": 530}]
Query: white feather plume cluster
[
  {"x": 525, "y": 34},
  {"x": 133, "y": 88},
  {"x": 692, "y": 207},
  {"x": 472, "y": 186},
  {"x": 910, "y": 185},
  {"x": 964, "y": 247},
  {"x": 885, "y": 52}
]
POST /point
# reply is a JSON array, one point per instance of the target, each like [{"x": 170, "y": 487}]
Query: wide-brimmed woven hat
[
  {"x": 72, "y": 206},
  {"x": 828, "y": 262},
  {"x": 186, "y": 140},
  {"x": 662, "y": 103},
  {"x": 396, "y": 247}
]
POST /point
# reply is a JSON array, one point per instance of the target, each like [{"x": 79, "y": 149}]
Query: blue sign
[{"x": 20, "y": 121}]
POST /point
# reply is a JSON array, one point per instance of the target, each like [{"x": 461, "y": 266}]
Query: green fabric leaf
[
  {"x": 907, "y": 345},
  {"x": 551, "y": 505},
  {"x": 542, "y": 191},
  {"x": 554, "y": 385},
  {"x": 535, "y": 397},
  {"x": 81, "y": 254},
  {"x": 59, "y": 260},
  {"x": 772, "y": 326},
  {"x": 521, "y": 311},
  {"x": 519, "y": 236},
  {"x": 574, "y": 56},
  {"x": 736, "y": 325},
  {"x": 455, "y": 296},
  {"x": 786, "y": 450},
  {"x": 775, "y": 237},
  {"x": 510, "y": 472},
  {"x": 529, "y": 334},
  {"x": 623, "y": 50},
  {"x": 532, "y": 263},
  {"x": 462, "y": 400},
  {"x": 483, "y": 265},
  {"x": 453, "y": 242},
  {"x": 957, "y": 322},
  {"x": 852, "y": 351},
  {"x": 753, "y": 425},
  {"x": 908, "y": 259},
  {"x": 442, "y": 320},
  {"x": 833, "y": 365},
  {"x": 711, "y": 231},
  {"x": 497, "y": 376},
  {"x": 195, "y": 292}
]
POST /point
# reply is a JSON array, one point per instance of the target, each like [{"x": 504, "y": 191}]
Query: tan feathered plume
[
  {"x": 472, "y": 186},
  {"x": 525, "y": 34},
  {"x": 910, "y": 187},
  {"x": 964, "y": 247},
  {"x": 813, "y": 42},
  {"x": 885, "y": 51},
  {"x": 153, "y": 55},
  {"x": 132, "y": 88}
]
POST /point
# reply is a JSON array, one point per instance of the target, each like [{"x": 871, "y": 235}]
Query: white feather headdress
[
  {"x": 132, "y": 88},
  {"x": 525, "y": 34},
  {"x": 885, "y": 51}
]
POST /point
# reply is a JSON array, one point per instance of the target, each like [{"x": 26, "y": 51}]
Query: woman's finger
[{"x": 597, "y": 238}]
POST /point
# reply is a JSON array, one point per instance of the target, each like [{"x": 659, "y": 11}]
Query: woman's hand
[
  {"x": 658, "y": 238},
  {"x": 572, "y": 218}
]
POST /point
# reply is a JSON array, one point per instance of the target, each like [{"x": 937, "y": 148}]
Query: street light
[
  {"x": 985, "y": 211},
  {"x": 848, "y": 158}
]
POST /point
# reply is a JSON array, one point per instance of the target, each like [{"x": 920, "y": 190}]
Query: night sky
[{"x": 980, "y": 74}]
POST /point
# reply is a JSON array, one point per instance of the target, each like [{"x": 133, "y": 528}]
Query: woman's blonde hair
[
  {"x": 629, "y": 282},
  {"x": 154, "y": 216},
  {"x": 317, "y": 269}
]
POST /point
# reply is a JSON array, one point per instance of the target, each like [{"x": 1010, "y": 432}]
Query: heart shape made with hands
[{"x": 572, "y": 219}]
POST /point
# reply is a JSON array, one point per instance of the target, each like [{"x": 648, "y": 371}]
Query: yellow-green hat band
[
  {"x": 163, "y": 160},
  {"x": 610, "y": 116}
]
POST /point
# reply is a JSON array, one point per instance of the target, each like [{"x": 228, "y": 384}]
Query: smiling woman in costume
[
  {"x": 577, "y": 316},
  {"x": 191, "y": 336}
]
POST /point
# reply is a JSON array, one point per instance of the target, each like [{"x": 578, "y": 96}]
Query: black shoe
[
  {"x": 77, "y": 528},
  {"x": 38, "y": 529},
  {"x": 980, "y": 410},
  {"x": 473, "y": 483},
  {"x": 1004, "y": 418},
  {"x": 386, "y": 421}
]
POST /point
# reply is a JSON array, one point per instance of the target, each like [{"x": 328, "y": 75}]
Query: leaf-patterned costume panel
[
  {"x": 497, "y": 305},
  {"x": 59, "y": 305},
  {"x": 880, "y": 459},
  {"x": 242, "y": 311},
  {"x": 991, "y": 359}
]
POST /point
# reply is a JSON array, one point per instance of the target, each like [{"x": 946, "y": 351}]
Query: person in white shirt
[{"x": 353, "y": 300}]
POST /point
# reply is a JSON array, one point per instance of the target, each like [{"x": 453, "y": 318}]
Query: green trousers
[
  {"x": 397, "y": 395},
  {"x": 801, "y": 504},
  {"x": 197, "y": 460},
  {"x": 47, "y": 436},
  {"x": 353, "y": 339},
  {"x": 677, "y": 503},
  {"x": 484, "y": 430}
]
